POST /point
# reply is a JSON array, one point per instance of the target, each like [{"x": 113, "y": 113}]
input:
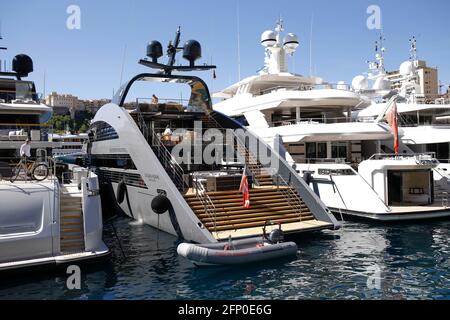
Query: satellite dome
[
  {"x": 268, "y": 38},
  {"x": 22, "y": 64},
  {"x": 360, "y": 83},
  {"x": 192, "y": 51},
  {"x": 382, "y": 84},
  {"x": 290, "y": 42},
  {"x": 406, "y": 68},
  {"x": 154, "y": 50}
]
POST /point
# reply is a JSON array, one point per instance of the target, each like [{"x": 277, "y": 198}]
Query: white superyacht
[{"x": 344, "y": 161}]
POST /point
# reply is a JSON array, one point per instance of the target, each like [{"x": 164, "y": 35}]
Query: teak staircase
[
  {"x": 266, "y": 204},
  {"x": 71, "y": 223}
]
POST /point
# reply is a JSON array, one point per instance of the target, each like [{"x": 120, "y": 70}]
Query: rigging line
[
  {"x": 238, "y": 40},
  {"x": 310, "y": 46},
  {"x": 123, "y": 64}
]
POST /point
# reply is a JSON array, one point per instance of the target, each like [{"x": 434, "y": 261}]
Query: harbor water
[{"x": 360, "y": 261}]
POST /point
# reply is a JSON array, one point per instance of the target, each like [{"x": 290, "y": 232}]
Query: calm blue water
[{"x": 413, "y": 259}]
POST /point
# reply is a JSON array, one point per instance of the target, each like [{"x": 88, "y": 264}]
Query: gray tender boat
[{"x": 238, "y": 251}]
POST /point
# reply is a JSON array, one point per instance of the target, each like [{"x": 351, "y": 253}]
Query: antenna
[
  {"x": 413, "y": 49},
  {"x": 310, "y": 47},
  {"x": 123, "y": 63},
  {"x": 1, "y": 37},
  {"x": 192, "y": 51},
  {"x": 238, "y": 40}
]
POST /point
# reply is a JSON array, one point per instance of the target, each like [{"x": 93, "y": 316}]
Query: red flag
[
  {"x": 245, "y": 191},
  {"x": 392, "y": 120}
]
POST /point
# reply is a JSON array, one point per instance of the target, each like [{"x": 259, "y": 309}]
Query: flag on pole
[
  {"x": 245, "y": 190},
  {"x": 214, "y": 74},
  {"x": 392, "y": 120}
]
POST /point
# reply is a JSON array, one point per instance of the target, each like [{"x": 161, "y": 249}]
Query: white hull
[
  {"x": 396, "y": 217},
  {"x": 56, "y": 261},
  {"x": 49, "y": 224}
]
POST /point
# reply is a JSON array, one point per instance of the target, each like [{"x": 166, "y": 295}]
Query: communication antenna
[
  {"x": 123, "y": 64},
  {"x": 238, "y": 40},
  {"x": 310, "y": 47},
  {"x": 1, "y": 37},
  {"x": 192, "y": 51},
  {"x": 413, "y": 49}
]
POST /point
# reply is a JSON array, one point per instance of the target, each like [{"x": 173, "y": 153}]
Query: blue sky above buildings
[{"x": 88, "y": 62}]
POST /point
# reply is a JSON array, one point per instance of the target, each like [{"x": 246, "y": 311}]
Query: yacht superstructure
[
  {"x": 424, "y": 126},
  {"x": 314, "y": 130},
  {"x": 153, "y": 155}
]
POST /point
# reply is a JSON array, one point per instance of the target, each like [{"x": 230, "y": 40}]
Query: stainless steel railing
[{"x": 205, "y": 200}]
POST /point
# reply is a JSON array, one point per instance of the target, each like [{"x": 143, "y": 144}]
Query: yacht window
[
  {"x": 339, "y": 150},
  {"x": 335, "y": 172},
  {"x": 102, "y": 131},
  {"x": 316, "y": 150}
]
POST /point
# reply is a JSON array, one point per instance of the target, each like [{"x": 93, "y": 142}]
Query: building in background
[
  {"x": 62, "y": 104},
  {"x": 428, "y": 81},
  {"x": 67, "y": 104}
]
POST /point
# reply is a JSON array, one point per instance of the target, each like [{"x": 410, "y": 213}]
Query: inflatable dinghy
[{"x": 236, "y": 252}]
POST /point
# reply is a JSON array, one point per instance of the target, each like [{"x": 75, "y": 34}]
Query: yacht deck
[
  {"x": 417, "y": 209},
  {"x": 298, "y": 227}
]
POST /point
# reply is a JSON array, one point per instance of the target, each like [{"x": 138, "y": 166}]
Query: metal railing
[
  {"x": 289, "y": 194},
  {"x": 250, "y": 161},
  {"x": 205, "y": 200},
  {"x": 9, "y": 164},
  {"x": 172, "y": 168},
  {"x": 404, "y": 156},
  {"x": 321, "y": 160},
  {"x": 321, "y": 120}
]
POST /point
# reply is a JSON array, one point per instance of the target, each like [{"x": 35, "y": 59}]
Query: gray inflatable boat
[{"x": 235, "y": 252}]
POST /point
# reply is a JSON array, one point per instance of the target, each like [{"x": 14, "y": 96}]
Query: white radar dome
[
  {"x": 360, "y": 83},
  {"x": 406, "y": 68},
  {"x": 290, "y": 42},
  {"x": 382, "y": 84},
  {"x": 268, "y": 38}
]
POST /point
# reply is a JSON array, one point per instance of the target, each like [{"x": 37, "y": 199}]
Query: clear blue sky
[{"x": 88, "y": 62}]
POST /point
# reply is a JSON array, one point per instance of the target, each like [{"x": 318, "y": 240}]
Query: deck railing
[
  {"x": 172, "y": 168},
  {"x": 205, "y": 200}
]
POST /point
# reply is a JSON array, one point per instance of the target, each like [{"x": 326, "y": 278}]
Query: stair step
[
  {"x": 70, "y": 223},
  {"x": 251, "y": 220},
  {"x": 71, "y": 237},
  {"x": 252, "y": 215},
  {"x": 256, "y": 196},
  {"x": 238, "y": 200},
  {"x": 71, "y": 230},
  {"x": 236, "y": 192},
  {"x": 271, "y": 202},
  {"x": 254, "y": 209},
  {"x": 255, "y": 224},
  {"x": 69, "y": 217}
]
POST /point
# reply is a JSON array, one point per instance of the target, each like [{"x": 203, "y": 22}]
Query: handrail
[
  {"x": 163, "y": 154},
  {"x": 292, "y": 197},
  {"x": 205, "y": 200},
  {"x": 252, "y": 164},
  {"x": 418, "y": 156},
  {"x": 44, "y": 125}
]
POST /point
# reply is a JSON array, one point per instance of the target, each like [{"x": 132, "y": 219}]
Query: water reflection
[{"x": 413, "y": 260}]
